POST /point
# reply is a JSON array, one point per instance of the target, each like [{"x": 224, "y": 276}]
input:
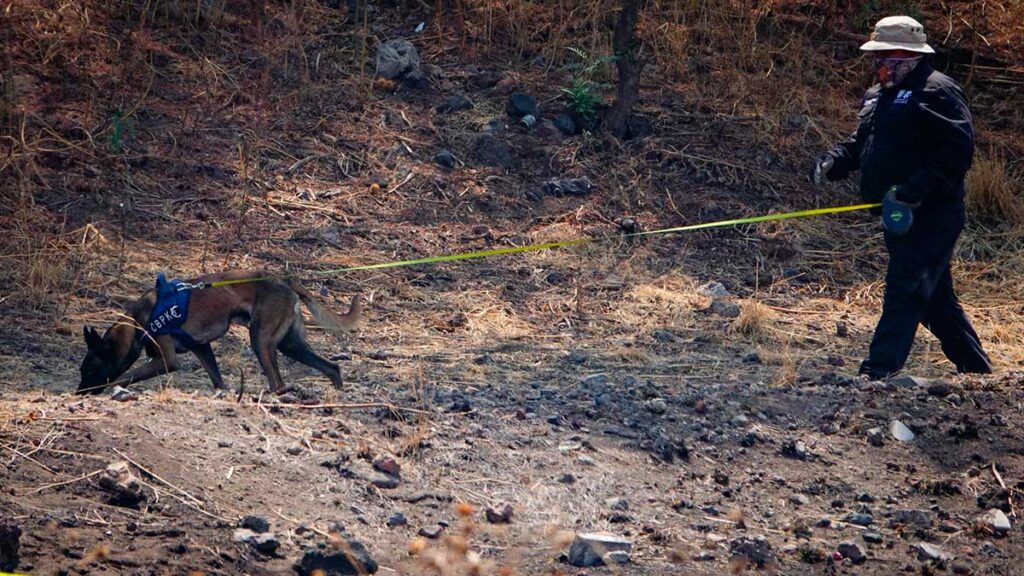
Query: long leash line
[{"x": 559, "y": 244}]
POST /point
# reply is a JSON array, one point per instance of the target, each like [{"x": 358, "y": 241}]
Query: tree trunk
[{"x": 627, "y": 52}]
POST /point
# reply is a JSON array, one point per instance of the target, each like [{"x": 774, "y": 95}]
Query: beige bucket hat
[{"x": 898, "y": 33}]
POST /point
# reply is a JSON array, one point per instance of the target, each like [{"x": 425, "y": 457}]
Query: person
[{"x": 913, "y": 147}]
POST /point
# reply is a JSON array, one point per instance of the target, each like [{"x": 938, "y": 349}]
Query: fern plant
[{"x": 584, "y": 94}]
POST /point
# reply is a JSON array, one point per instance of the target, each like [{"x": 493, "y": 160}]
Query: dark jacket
[{"x": 917, "y": 134}]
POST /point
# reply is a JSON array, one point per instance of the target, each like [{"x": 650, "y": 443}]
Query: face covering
[{"x": 892, "y": 71}]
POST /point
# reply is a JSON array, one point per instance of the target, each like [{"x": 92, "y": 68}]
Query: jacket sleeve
[
  {"x": 847, "y": 153},
  {"x": 847, "y": 158},
  {"x": 946, "y": 125}
]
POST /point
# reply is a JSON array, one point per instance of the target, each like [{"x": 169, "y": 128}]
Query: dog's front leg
[
  {"x": 209, "y": 362},
  {"x": 162, "y": 360}
]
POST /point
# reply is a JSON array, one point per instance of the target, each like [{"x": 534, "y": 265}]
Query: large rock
[
  {"x": 757, "y": 551},
  {"x": 124, "y": 488},
  {"x": 521, "y": 105},
  {"x": 455, "y": 103},
  {"x": 10, "y": 538},
  {"x": 490, "y": 150},
  {"x": 593, "y": 549},
  {"x": 931, "y": 553},
  {"x": 398, "y": 59},
  {"x": 853, "y": 551},
  {"x": 348, "y": 556},
  {"x": 996, "y": 521},
  {"x": 261, "y": 542}
]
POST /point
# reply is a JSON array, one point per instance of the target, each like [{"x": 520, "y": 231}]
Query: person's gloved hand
[
  {"x": 897, "y": 212},
  {"x": 821, "y": 168}
]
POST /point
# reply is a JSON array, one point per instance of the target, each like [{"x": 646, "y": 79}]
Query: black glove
[
  {"x": 897, "y": 212},
  {"x": 822, "y": 166}
]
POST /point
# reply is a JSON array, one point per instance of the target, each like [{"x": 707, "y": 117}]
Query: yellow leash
[
  {"x": 579, "y": 241},
  {"x": 565, "y": 243}
]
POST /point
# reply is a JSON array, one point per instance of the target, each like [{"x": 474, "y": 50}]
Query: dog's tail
[{"x": 337, "y": 323}]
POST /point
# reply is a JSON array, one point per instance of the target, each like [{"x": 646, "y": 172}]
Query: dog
[{"x": 268, "y": 304}]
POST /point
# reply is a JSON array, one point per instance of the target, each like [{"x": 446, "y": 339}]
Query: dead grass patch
[
  {"x": 992, "y": 193},
  {"x": 754, "y": 321}
]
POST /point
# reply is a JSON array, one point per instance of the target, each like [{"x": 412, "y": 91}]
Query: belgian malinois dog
[{"x": 268, "y": 304}]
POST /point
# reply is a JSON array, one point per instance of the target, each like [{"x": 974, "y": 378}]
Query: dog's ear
[{"x": 92, "y": 338}]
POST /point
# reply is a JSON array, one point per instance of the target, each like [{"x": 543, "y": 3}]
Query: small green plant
[
  {"x": 119, "y": 132},
  {"x": 584, "y": 92}
]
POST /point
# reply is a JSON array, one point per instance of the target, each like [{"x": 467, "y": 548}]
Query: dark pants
[{"x": 919, "y": 290}]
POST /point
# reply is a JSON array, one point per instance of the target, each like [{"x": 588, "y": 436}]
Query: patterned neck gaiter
[{"x": 892, "y": 71}]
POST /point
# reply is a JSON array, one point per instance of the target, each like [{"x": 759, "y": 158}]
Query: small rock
[
  {"x": 547, "y": 130},
  {"x": 263, "y": 543},
  {"x": 617, "y": 504},
  {"x": 577, "y": 357},
  {"x": 918, "y": 518},
  {"x": 125, "y": 489},
  {"x": 940, "y": 389},
  {"x": 715, "y": 290},
  {"x": 996, "y": 521},
  {"x": 520, "y": 105},
  {"x": 398, "y": 58},
  {"x": 455, "y": 103},
  {"x": 431, "y": 532},
  {"x": 757, "y": 550},
  {"x": 909, "y": 382},
  {"x": 225, "y": 443},
  {"x": 567, "y": 479},
  {"x": 567, "y": 186},
  {"x": 387, "y": 465},
  {"x": 566, "y": 124},
  {"x": 349, "y": 559},
  {"x": 499, "y": 514},
  {"x": 842, "y": 330},
  {"x": 120, "y": 394},
  {"x": 445, "y": 159},
  {"x": 491, "y": 150},
  {"x": 10, "y": 542},
  {"x": 799, "y": 500},
  {"x": 900, "y": 431},
  {"x": 725, "y": 308},
  {"x": 795, "y": 449},
  {"x": 853, "y": 551},
  {"x": 294, "y": 450},
  {"x": 257, "y": 524},
  {"x": 931, "y": 553},
  {"x": 591, "y": 549},
  {"x": 704, "y": 556},
  {"x": 872, "y": 537},
  {"x": 859, "y": 519},
  {"x": 876, "y": 437},
  {"x": 657, "y": 405},
  {"x": 397, "y": 519}
]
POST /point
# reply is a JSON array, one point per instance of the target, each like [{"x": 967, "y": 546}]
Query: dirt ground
[{"x": 692, "y": 394}]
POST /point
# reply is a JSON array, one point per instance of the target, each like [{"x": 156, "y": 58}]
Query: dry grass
[
  {"x": 992, "y": 193},
  {"x": 754, "y": 321}
]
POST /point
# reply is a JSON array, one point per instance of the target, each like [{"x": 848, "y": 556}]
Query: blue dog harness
[{"x": 171, "y": 310}]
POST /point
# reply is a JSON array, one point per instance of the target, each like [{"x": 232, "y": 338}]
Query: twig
[
  {"x": 64, "y": 483},
  {"x": 31, "y": 459}
]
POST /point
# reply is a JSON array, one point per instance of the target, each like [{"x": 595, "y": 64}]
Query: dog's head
[{"x": 107, "y": 358}]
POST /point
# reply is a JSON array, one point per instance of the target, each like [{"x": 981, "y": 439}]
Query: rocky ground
[{"x": 679, "y": 404}]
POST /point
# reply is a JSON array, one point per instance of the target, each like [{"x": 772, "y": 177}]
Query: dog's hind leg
[
  {"x": 265, "y": 332},
  {"x": 209, "y": 362},
  {"x": 294, "y": 346}
]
